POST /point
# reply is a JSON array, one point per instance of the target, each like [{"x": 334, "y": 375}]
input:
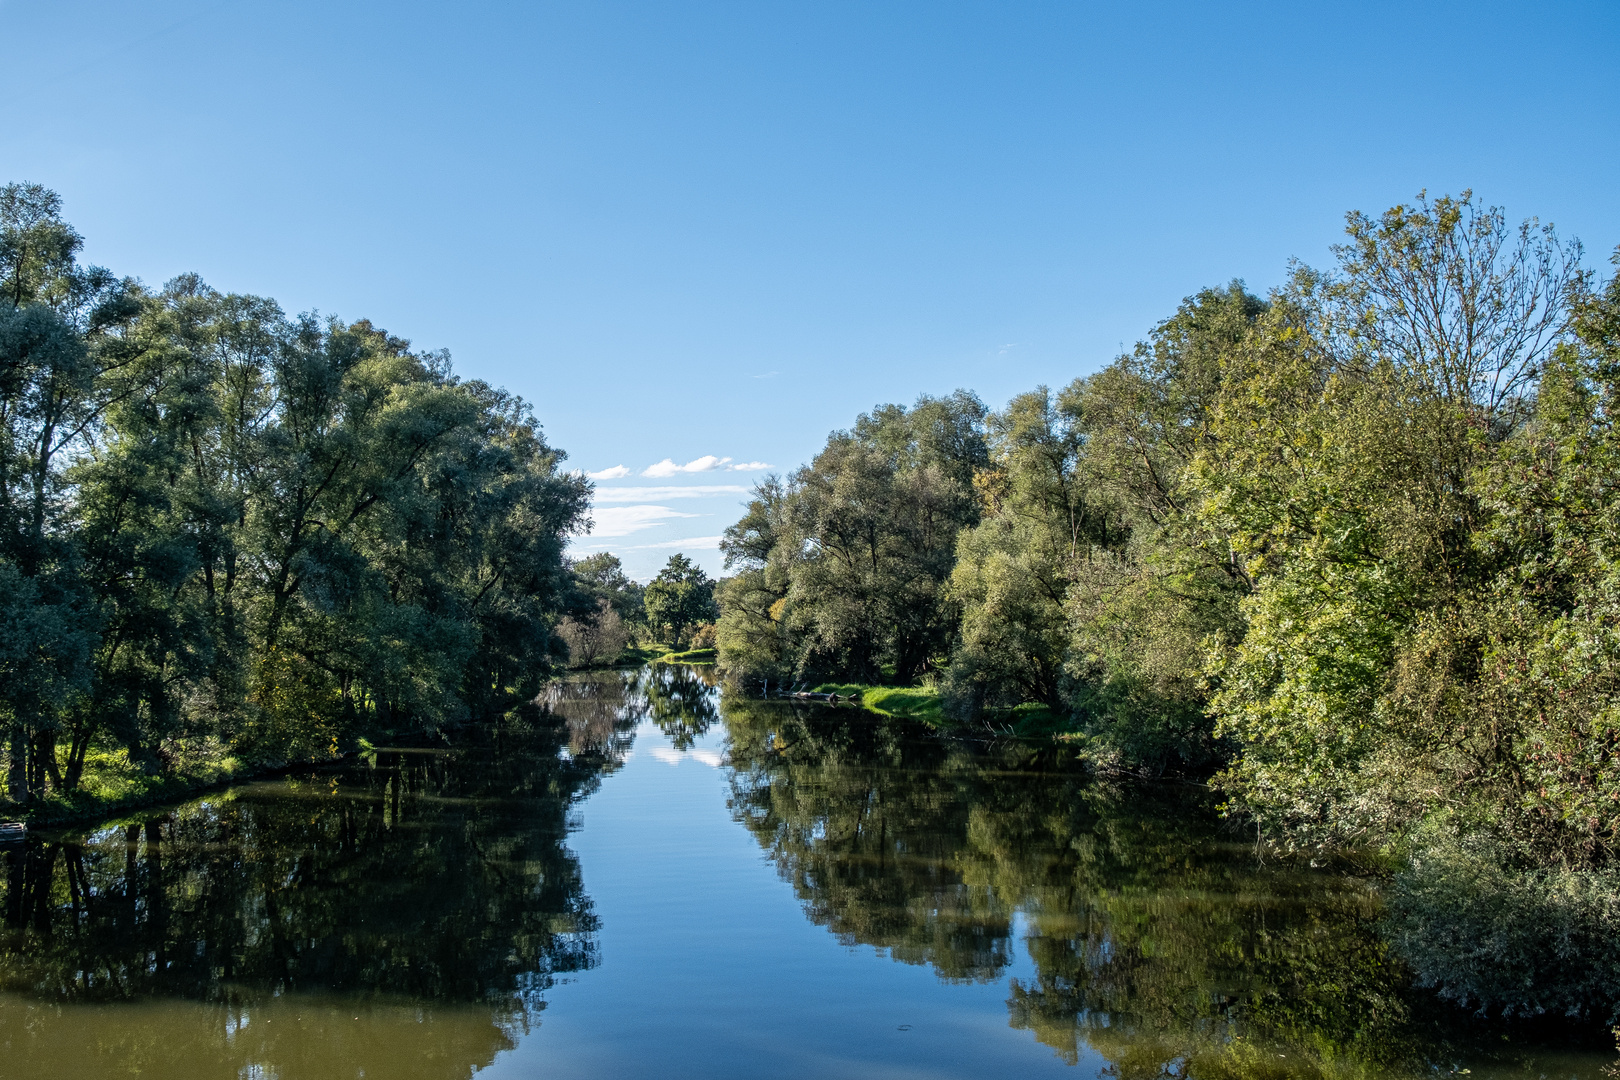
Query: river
[{"x": 634, "y": 879}]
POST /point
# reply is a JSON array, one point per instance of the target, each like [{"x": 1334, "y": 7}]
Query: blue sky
[{"x": 689, "y": 232}]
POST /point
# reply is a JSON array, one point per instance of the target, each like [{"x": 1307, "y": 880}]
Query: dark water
[{"x": 628, "y": 884}]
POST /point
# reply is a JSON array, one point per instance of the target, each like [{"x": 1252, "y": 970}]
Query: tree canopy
[
  {"x": 227, "y": 530},
  {"x": 1344, "y": 547}
]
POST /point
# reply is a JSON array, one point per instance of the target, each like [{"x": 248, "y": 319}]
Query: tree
[
  {"x": 1161, "y": 581},
  {"x": 60, "y": 364},
  {"x": 752, "y": 637},
  {"x": 227, "y": 531},
  {"x": 593, "y": 640},
  {"x": 602, "y": 577},
  {"x": 678, "y": 599},
  {"x": 1013, "y": 569},
  {"x": 1352, "y": 430},
  {"x": 845, "y": 564}
]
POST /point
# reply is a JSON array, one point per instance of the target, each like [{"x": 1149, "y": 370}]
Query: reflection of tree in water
[
  {"x": 439, "y": 878},
  {"x": 1158, "y": 940},
  {"x": 600, "y": 708},
  {"x": 871, "y": 859},
  {"x": 682, "y": 699}
]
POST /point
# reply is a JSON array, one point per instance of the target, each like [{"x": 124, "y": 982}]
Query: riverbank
[
  {"x": 924, "y": 704},
  {"x": 112, "y": 785},
  {"x": 690, "y": 656}
]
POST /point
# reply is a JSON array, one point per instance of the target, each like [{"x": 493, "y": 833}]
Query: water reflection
[
  {"x": 1157, "y": 939},
  {"x": 408, "y": 915},
  {"x": 682, "y": 700},
  {"x": 400, "y": 915}
]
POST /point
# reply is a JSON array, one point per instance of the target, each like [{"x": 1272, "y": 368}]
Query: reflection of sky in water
[{"x": 710, "y": 968}]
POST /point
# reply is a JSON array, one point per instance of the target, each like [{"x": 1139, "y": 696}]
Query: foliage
[
  {"x": 1353, "y": 548},
  {"x": 596, "y": 640},
  {"x": 602, "y": 577},
  {"x": 679, "y": 599},
  {"x": 1506, "y": 940},
  {"x": 228, "y": 529},
  {"x": 842, "y": 568},
  {"x": 1012, "y": 570},
  {"x": 1361, "y": 418}
]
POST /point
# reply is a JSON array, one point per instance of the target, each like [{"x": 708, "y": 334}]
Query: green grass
[
  {"x": 906, "y": 702},
  {"x": 1030, "y": 721},
  {"x": 690, "y": 656},
  {"x": 111, "y": 783}
]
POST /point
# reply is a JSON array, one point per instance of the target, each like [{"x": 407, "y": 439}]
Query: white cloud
[
  {"x": 706, "y": 463},
  {"x": 667, "y": 467},
  {"x": 647, "y": 494},
  {"x": 624, "y": 520},
  {"x": 609, "y": 474},
  {"x": 692, "y": 543}
]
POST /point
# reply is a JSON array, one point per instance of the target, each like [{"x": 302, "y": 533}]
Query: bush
[
  {"x": 1507, "y": 940},
  {"x": 597, "y": 641}
]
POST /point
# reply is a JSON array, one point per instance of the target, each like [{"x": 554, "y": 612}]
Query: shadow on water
[
  {"x": 398, "y": 916},
  {"x": 1157, "y": 939}
]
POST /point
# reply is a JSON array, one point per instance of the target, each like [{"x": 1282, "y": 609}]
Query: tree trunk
[
  {"x": 17, "y": 780},
  {"x": 77, "y": 750},
  {"x": 45, "y": 753}
]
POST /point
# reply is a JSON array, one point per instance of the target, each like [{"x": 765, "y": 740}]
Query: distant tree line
[
  {"x": 224, "y": 529},
  {"x": 676, "y": 609},
  {"x": 1354, "y": 547}
]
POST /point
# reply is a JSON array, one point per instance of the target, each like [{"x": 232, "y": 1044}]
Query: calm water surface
[{"x": 634, "y": 881}]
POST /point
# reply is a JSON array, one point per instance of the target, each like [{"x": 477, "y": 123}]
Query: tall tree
[{"x": 678, "y": 599}]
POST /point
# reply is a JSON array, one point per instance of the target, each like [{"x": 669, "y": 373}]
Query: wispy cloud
[
  {"x": 624, "y": 520},
  {"x": 748, "y": 466},
  {"x": 691, "y": 543},
  {"x": 648, "y": 494},
  {"x": 609, "y": 474},
  {"x": 767, "y": 375}
]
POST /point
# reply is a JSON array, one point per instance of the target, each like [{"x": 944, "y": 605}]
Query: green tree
[
  {"x": 60, "y": 368},
  {"x": 1013, "y": 570},
  {"x": 857, "y": 547},
  {"x": 227, "y": 531},
  {"x": 679, "y": 598},
  {"x": 602, "y": 577},
  {"x": 752, "y": 637},
  {"x": 1352, "y": 430},
  {"x": 1160, "y": 581}
]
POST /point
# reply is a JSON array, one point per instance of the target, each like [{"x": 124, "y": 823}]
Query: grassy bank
[
  {"x": 923, "y": 704},
  {"x": 908, "y": 702},
  {"x": 112, "y": 785},
  {"x": 690, "y": 656}
]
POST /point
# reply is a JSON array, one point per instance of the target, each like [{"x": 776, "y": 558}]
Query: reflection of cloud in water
[{"x": 711, "y": 758}]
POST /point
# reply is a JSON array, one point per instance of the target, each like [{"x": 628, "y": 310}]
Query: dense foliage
[
  {"x": 679, "y": 599},
  {"x": 1351, "y": 547},
  {"x": 224, "y": 530}
]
